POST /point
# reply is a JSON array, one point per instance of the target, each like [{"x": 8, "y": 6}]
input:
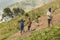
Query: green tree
[
  {"x": 7, "y": 12},
  {"x": 16, "y": 11},
  {"x": 26, "y": 15},
  {"x": 22, "y": 11}
]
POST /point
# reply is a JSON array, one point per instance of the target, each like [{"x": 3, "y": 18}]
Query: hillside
[
  {"x": 7, "y": 29},
  {"x": 28, "y": 5},
  {"x": 52, "y": 33},
  {"x": 43, "y": 24}
]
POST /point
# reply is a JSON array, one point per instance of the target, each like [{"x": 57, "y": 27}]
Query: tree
[
  {"x": 7, "y": 12},
  {"x": 26, "y": 15},
  {"x": 16, "y": 11},
  {"x": 22, "y": 11}
]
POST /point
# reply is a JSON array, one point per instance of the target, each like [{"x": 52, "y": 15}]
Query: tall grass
[
  {"x": 11, "y": 27},
  {"x": 52, "y": 33}
]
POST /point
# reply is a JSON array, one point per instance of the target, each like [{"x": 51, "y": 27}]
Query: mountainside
[
  {"x": 28, "y": 5},
  {"x": 10, "y": 28},
  {"x": 52, "y": 33},
  {"x": 5, "y": 3}
]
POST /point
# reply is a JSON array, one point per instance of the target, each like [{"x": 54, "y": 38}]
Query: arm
[{"x": 54, "y": 10}]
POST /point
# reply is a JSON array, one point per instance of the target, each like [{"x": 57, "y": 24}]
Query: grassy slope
[
  {"x": 43, "y": 9},
  {"x": 52, "y": 33},
  {"x": 11, "y": 27}
]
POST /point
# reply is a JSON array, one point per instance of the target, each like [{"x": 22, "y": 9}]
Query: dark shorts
[
  {"x": 29, "y": 27},
  {"x": 49, "y": 21}
]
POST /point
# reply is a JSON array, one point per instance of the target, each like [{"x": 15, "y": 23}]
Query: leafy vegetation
[
  {"x": 7, "y": 12},
  {"x": 9, "y": 28},
  {"x": 52, "y": 33},
  {"x": 15, "y": 12}
]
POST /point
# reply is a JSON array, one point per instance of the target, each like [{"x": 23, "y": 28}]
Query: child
[
  {"x": 29, "y": 24},
  {"x": 49, "y": 15},
  {"x": 21, "y": 25}
]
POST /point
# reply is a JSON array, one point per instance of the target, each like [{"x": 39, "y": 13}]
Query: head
[
  {"x": 21, "y": 19},
  {"x": 49, "y": 9}
]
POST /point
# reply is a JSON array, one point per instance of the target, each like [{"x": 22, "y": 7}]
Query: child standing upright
[
  {"x": 21, "y": 25},
  {"x": 29, "y": 23},
  {"x": 49, "y": 15}
]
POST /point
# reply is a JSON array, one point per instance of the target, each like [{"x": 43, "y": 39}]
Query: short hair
[
  {"x": 49, "y": 9},
  {"x": 21, "y": 19}
]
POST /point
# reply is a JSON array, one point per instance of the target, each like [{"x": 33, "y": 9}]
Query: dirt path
[{"x": 43, "y": 24}]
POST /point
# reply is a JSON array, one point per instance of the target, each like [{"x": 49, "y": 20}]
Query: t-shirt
[
  {"x": 22, "y": 23},
  {"x": 49, "y": 15},
  {"x": 29, "y": 23}
]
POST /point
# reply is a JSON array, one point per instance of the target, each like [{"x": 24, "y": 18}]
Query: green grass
[
  {"x": 42, "y": 10},
  {"x": 9, "y": 28},
  {"x": 52, "y": 33}
]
